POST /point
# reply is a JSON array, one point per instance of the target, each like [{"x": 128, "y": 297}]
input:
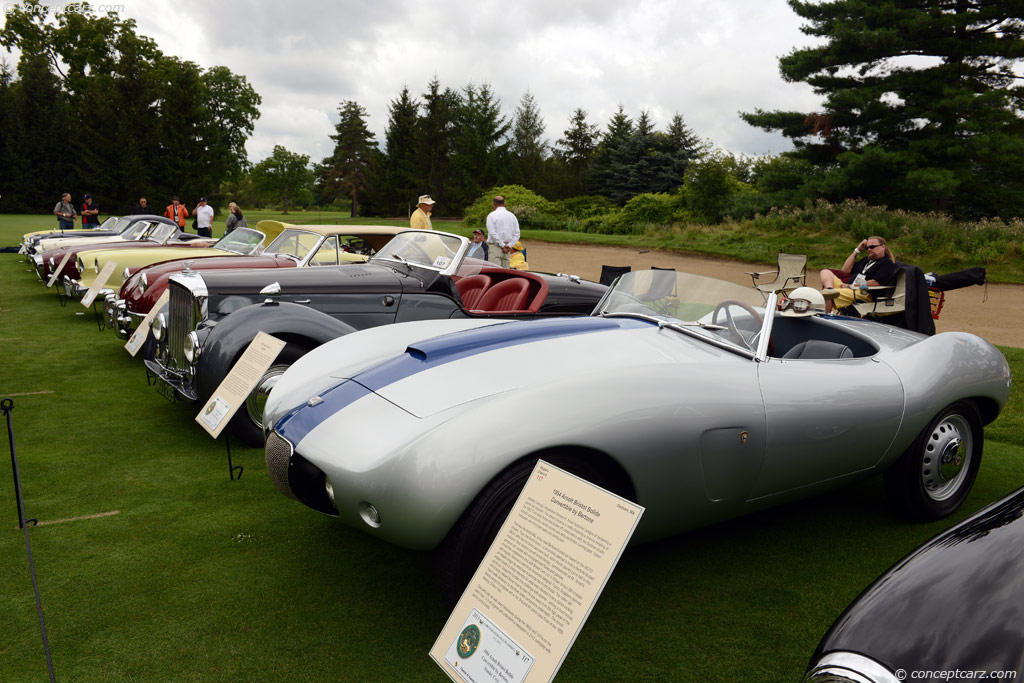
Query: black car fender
[{"x": 228, "y": 339}]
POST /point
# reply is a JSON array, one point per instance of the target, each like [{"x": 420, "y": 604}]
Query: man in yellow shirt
[{"x": 421, "y": 216}]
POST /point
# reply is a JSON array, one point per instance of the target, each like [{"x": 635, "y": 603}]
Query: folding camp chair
[
  {"x": 791, "y": 273},
  {"x": 885, "y": 300},
  {"x": 609, "y": 273}
]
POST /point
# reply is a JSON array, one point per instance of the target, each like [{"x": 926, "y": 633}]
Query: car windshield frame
[
  {"x": 433, "y": 250},
  {"x": 240, "y": 241},
  {"x": 288, "y": 233},
  {"x": 137, "y": 230},
  {"x": 711, "y": 310}
]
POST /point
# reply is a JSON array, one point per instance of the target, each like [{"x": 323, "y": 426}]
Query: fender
[{"x": 229, "y": 337}]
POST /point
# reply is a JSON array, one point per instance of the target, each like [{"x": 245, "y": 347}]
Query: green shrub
[
  {"x": 528, "y": 206},
  {"x": 658, "y": 208}
]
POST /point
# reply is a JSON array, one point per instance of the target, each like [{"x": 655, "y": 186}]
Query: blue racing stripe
[{"x": 431, "y": 353}]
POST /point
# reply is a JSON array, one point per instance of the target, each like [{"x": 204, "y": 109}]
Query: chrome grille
[
  {"x": 180, "y": 321},
  {"x": 278, "y": 455}
]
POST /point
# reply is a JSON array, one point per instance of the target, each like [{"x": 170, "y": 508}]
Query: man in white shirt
[
  {"x": 204, "y": 218},
  {"x": 502, "y": 233}
]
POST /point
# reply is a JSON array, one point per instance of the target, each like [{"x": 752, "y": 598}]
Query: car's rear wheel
[
  {"x": 247, "y": 424},
  {"x": 932, "y": 479},
  {"x": 460, "y": 553}
]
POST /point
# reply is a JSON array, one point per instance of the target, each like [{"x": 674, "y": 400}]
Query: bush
[
  {"x": 528, "y": 206},
  {"x": 658, "y": 208}
]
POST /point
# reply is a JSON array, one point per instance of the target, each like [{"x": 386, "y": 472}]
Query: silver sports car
[{"x": 680, "y": 392}]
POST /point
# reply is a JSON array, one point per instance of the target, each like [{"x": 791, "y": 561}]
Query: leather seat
[
  {"x": 472, "y": 289},
  {"x": 507, "y": 295},
  {"x": 816, "y": 349}
]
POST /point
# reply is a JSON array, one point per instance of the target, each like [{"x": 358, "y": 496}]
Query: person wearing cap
[
  {"x": 502, "y": 233},
  {"x": 176, "y": 212},
  {"x": 90, "y": 213},
  {"x": 842, "y": 287},
  {"x": 204, "y": 218},
  {"x": 478, "y": 247},
  {"x": 65, "y": 212},
  {"x": 420, "y": 219}
]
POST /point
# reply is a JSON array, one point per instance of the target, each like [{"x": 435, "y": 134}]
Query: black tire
[
  {"x": 932, "y": 479},
  {"x": 247, "y": 424},
  {"x": 460, "y": 553}
]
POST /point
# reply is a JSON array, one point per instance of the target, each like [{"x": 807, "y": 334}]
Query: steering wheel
[{"x": 731, "y": 322}]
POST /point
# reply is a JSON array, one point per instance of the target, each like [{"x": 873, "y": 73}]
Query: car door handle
[
  {"x": 303, "y": 301},
  {"x": 388, "y": 301}
]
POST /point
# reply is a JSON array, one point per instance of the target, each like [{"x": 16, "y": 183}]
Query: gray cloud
[{"x": 706, "y": 61}]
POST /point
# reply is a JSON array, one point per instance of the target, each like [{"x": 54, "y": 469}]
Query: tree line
[
  {"x": 96, "y": 107},
  {"x": 922, "y": 109}
]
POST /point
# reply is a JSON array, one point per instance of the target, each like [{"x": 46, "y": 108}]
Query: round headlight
[
  {"x": 368, "y": 513},
  {"x": 145, "y": 282},
  {"x": 192, "y": 348},
  {"x": 159, "y": 323}
]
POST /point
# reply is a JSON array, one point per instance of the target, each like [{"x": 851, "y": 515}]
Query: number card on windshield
[
  {"x": 538, "y": 583},
  {"x": 242, "y": 379}
]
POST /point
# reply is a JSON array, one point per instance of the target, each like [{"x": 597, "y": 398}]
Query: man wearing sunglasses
[{"x": 842, "y": 287}]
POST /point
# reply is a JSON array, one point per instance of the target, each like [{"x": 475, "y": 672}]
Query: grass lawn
[{"x": 202, "y": 578}]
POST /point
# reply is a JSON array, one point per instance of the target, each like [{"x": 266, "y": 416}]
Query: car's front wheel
[
  {"x": 247, "y": 424},
  {"x": 932, "y": 479},
  {"x": 466, "y": 544}
]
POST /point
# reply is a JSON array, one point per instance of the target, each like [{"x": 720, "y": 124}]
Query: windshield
[
  {"x": 136, "y": 230},
  {"x": 109, "y": 223},
  {"x": 159, "y": 232},
  {"x": 434, "y": 250},
  {"x": 714, "y": 309},
  {"x": 244, "y": 241},
  {"x": 294, "y": 243}
]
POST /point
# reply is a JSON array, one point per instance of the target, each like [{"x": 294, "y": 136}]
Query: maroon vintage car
[
  {"x": 142, "y": 232},
  {"x": 296, "y": 246}
]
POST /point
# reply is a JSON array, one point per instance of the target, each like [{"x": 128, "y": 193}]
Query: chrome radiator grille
[
  {"x": 181, "y": 320},
  {"x": 278, "y": 455}
]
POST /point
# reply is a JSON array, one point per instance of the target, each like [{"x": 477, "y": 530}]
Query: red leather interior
[
  {"x": 472, "y": 289},
  {"x": 509, "y": 295}
]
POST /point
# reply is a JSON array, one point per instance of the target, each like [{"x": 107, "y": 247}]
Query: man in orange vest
[{"x": 176, "y": 212}]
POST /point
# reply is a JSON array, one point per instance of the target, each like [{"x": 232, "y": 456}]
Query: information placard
[
  {"x": 56, "y": 272},
  {"x": 538, "y": 582},
  {"x": 98, "y": 283},
  {"x": 242, "y": 379},
  {"x": 138, "y": 337}
]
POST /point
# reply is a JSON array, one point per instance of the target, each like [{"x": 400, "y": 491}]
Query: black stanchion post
[
  {"x": 6, "y": 406},
  {"x": 231, "y": 470}
]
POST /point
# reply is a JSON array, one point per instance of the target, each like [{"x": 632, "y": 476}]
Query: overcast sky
[{"x": 705, "y": 60}]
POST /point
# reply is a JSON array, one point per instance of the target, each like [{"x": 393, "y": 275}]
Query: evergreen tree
[
  {"x": 437, "y": 128},
  {"x": 920, "y": 108},
  {"x": 606, "y": 172},
  {"x": 576, "y": 151},
  {"x": 527, "y": 147},
  {"x": 399, "y": 176},
  {"x": 346, "y": 171},
  {"x": 479, "y": 153}
]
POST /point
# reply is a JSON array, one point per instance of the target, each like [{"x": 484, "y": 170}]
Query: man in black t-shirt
[
  {"x": 142, "y": 208},
  {"x": 90, "y": 213},
  {"x": 843, "y": 286}
]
